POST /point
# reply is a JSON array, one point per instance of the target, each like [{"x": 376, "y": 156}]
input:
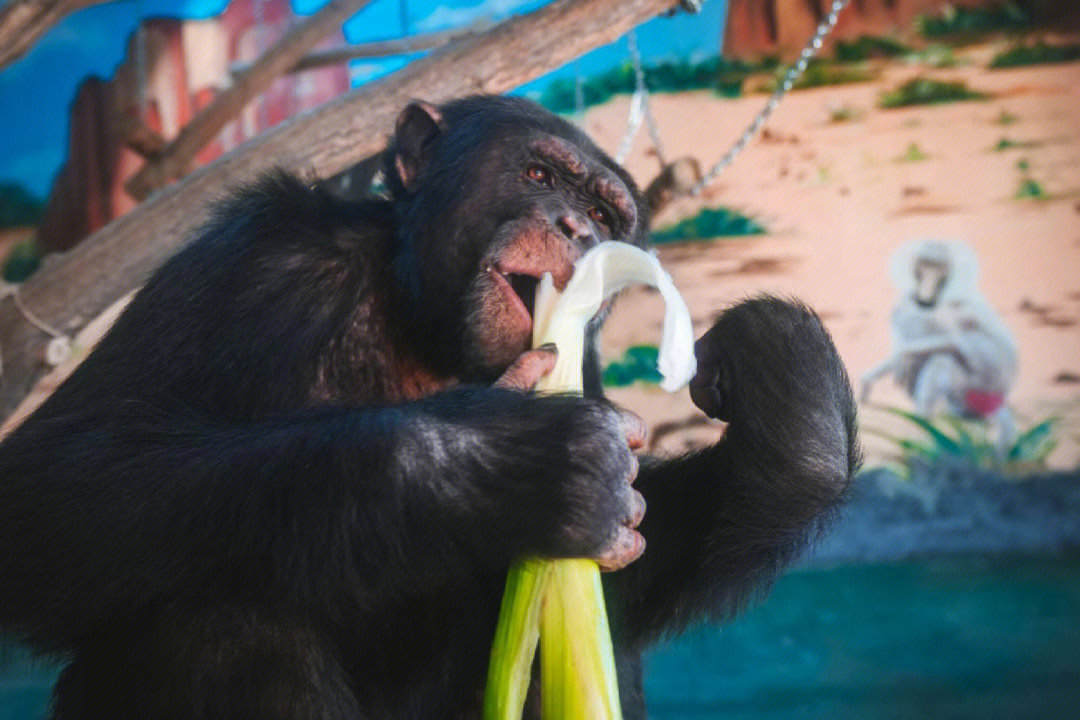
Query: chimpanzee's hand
[
  {"x": 602, "y": 469},
  {"x": 554, "y": 473},
  {"x": 606, "y": 509},
  {"x": 769, "y": 365}
]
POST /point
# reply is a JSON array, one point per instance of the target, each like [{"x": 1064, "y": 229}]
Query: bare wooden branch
[
  {"x": 70, "y": 289},
  {"x": 676, "y": 179},
  {"x": 139, "y": 136},
  {"x": 22, "y": 22},
  {"x": 381, "y": 48},
  {"x": 176, "y": 159}
]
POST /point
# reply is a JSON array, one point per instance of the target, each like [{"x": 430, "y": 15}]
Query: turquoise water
[
  {"x": 957, "y": 638},
  {"x": 25, "y": 683}
]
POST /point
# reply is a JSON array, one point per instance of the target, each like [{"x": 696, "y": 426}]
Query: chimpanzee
[{"x": 289, "y": 482}]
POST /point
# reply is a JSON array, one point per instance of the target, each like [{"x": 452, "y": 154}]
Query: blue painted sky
[{"x": 36, "y": 91}]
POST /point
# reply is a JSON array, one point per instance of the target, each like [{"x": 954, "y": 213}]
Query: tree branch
[
  {"x": 22, "y": 22},
  {"x": 381, "y": 48},
  {"x": 175, "y": 160},
  {"x": 675, "y": 180},
  {"x": 71, "y": 288},
  {"x": 139, "y": 136}
]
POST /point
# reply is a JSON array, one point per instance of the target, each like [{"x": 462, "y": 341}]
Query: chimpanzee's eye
[
  {"x": 599, "y": 216},
  {"x": 540, "y": 174}
]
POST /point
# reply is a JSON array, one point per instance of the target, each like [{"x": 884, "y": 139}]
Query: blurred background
[{"x": 918, "y": 184}]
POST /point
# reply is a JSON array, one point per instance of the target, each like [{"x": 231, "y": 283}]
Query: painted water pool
[
  {"x": 956, "y": 638},
  {"x": 953, "y": 638}
]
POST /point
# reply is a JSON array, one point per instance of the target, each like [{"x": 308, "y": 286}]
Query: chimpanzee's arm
[
  {"x": 102, "y": 514},
  {"x": 723, "y": 521}
]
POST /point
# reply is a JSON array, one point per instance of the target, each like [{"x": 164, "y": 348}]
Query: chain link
[
  {"x": 790, "y": 77},
  {"x": 640, "y": 108}
]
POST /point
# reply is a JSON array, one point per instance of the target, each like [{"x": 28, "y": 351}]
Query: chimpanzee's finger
[
  {"x": 636, "y": 429},
  {"x": 637, "y": 509},
  {"x": 530, "y": 366},
  {"x": 626, "y": 547}
]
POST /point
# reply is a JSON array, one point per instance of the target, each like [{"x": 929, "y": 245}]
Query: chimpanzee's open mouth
[
  {"x": 520, "y": 289},
  {"x": 525, "y": 287}
]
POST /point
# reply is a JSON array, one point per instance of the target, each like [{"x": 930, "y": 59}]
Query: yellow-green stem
[{"x": 512, "y": 651}]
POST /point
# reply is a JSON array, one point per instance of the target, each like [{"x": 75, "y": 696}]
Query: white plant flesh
[
  {"x": 560, "y": 602},
  {"x": 607, "y": 269}
]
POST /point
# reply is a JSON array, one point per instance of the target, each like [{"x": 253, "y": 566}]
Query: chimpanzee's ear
[{"x": 417, "y": 127}]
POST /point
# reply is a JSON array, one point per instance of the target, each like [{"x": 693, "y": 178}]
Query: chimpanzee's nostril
[{"x": 574, "y": 227}]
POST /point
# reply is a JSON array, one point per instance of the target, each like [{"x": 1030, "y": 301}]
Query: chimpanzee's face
[
  {"x": 556, "y": 202},
  {"x": 500, "y": 209}
]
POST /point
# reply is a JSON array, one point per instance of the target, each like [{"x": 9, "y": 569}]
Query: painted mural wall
[{"x": 173, "y": 69}]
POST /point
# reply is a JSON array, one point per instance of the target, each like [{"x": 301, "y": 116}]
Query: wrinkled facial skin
[{"x": 494, "y": 209}]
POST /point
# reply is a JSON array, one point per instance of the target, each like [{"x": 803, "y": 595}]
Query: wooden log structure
[
  {"x": 377, "y": 49},
  {"x": 177, "y": 157}
]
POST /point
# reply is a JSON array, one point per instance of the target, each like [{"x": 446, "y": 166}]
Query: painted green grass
[
  {"x": 21, "y": 262},
  {"x": 1009, "y": 144},
  {"x": 969, "y": 23},
  {"x": 927, "y": 91},
  {"x": 637, "y": 363},
  {"x": 913, "y": 154},
  {"x": 18, "y": 206},
  {"x": 968, "y": 442},
  {"x": 1030, "y": 189},
  {"x": 844, "y": 113},
  {"x": 1006, "y": 118},
  {"x": 1038, "y": 53},
  {"x": 867, "y": 47},
  {"x": 821, "y": 73},
  {"x": 707, "y": 224},
  {"x": 722, "y": 75},
  {"x": 936, "y": 55}
]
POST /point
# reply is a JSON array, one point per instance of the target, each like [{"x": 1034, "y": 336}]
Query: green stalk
[
  {"x": 515, "y": 639},
  {"x": 577, "y": 661}
]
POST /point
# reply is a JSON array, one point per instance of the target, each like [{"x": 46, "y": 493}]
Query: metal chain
[
  {"x": 639, "y": 84},
  {"x": 633, "y": 122},
  {"x": 793, "y": 73},
  {"x": 640, "y": 109}
]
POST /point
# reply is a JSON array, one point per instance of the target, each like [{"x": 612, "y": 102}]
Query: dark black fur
[{"x": 246, "y": 503}]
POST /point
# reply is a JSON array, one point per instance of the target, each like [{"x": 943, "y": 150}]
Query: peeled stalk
[{"x": 560, "y": 602}]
